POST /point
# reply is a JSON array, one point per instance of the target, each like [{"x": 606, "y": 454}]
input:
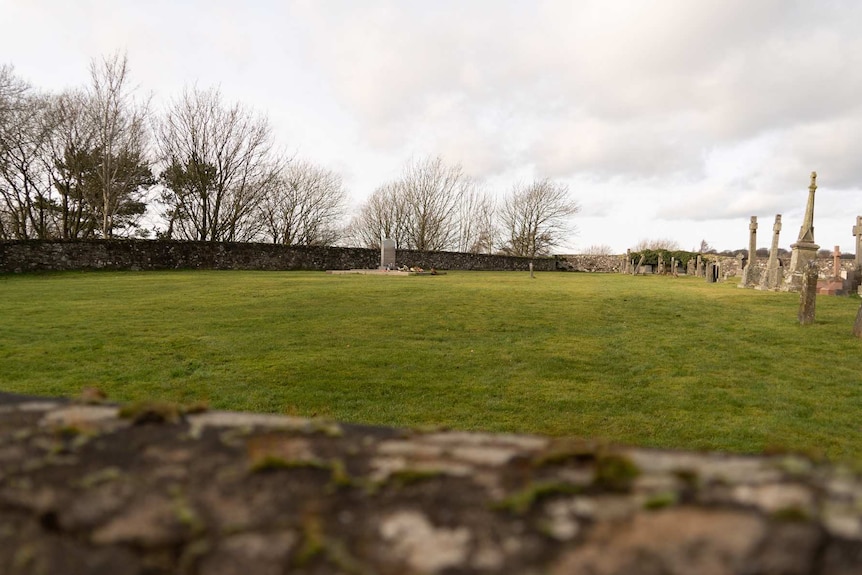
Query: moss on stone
[
  {"x": 141, "y": 412},
  {"x": 615, "y": 472},
  {"x": 522, "y": 501},
  {"x": 564, "y": 451},
  {"x": 100, "y": 477},
  {"x": 312, "y": 540},
  {"x": 791, "y": 514},
  {"x": 339, "y": 477},
  {"x": 661, "y": 500},
  {"x": 405, "y": 477},
  {"x": 271, "y": 462}
]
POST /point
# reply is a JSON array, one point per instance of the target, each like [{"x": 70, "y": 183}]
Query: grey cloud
[
  {"x": 645, "y": 149},
  {"x": 830, "y": 147},
  {"x": 653, "y": 84},
  {"x": 718, "y": 204}
]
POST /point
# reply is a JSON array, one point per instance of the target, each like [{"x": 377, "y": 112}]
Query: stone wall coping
[{"x": 90, "y": 487}]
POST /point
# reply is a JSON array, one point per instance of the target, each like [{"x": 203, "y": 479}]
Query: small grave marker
[{"x": 808, "y": 294}]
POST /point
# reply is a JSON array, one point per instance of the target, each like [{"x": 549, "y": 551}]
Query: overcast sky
[{"x": 673, "y": 119}]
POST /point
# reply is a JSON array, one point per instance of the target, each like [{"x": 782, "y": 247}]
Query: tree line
[{"x": 90, "y": 162}]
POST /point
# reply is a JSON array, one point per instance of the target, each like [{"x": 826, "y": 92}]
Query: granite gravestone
[{"x": 387, "y": 254}]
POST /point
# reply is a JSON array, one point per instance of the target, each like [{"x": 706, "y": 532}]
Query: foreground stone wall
[
  {"x": 150, "y": 488},
  {"x": 49, "y": 255}
]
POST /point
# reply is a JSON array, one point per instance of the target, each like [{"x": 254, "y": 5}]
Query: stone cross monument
[
  {"x": 804, "y": 250},
  {"x": 836, "y": 263},
  {"x": 857, "y": 231},
  {"x": 771, "y": 279},
  {"x": 749, "y": 272},
  {"x": 857, "y": 269}
]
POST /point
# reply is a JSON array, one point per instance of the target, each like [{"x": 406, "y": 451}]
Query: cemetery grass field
[{"x": 651, "y": 361}]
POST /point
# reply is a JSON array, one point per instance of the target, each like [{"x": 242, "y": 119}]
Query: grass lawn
[{"x": 651, "y": 361}]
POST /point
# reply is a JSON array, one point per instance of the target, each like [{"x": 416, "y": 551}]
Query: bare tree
[
  {"x": 123, "y": 172},
  {"x": 383, "y": 215},
  {"x": 489, "y": 232},
  {"x": 598, "y": 250},
  {"x": 12, "y": 90},
  {"x": 474, "y": 219},
  {"x": 535, "y": 217},
  {"x": 419, "y": 210},
  {"x": 431, "y": 192},
  {"x": 305, "y": 206},
  {"x": 26, "y": 206},
  {"x": 705, "y": 248},
  {"x": 656, "y": 244},
  {"x": 219, "y": 165}
]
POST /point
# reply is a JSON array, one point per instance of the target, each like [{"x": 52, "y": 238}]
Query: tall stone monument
[
  {"x": 804, "y": 250},
  {"x": 857, "y": 232},
  {"x": 857, "y": 269},
  {"x": 387, "y": 254},
  {"x": 749, "y": 272},
  {"x": 836, "y": 263},
  {"x": 771, "y": 280}
]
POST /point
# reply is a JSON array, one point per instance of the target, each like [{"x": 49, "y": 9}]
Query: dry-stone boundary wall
[
  {"x": 154, "y": 489},
  {"x": 127, "y": 254},
  {"x": 730, "y": 266},
  {"x": 50, "y": 255},
  {"x": 592, "y": 263}
]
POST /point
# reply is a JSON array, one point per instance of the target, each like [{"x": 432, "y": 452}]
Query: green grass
[{"x": 652, "y": 361}]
